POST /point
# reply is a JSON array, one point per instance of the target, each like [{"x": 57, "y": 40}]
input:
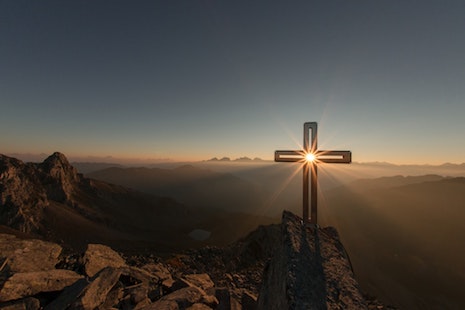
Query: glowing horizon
[{"x": 147, "y": 159}]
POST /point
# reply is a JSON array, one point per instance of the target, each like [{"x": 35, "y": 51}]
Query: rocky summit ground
[{"x": 36, "y": 274}]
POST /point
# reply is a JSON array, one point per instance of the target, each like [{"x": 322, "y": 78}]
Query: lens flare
[{"x": 310, "y": 157}]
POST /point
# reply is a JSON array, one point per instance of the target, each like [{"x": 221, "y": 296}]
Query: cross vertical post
[
  {"x": 310, "y": 156},
  {"x": 313, "y": 192}
]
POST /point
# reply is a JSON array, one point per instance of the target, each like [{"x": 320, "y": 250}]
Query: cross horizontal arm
[
  {"x": 334, "y": 157},
  {"x": 288, "y": 156},
  {"x": 331, "y": 157}
]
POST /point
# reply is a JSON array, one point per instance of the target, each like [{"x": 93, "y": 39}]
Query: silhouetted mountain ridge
[{"x": 86, "y": 167}]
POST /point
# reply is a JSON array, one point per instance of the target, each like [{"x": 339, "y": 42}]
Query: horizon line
[{"x": 110, "y": 159}]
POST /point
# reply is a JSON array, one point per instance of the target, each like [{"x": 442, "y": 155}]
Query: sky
[{"x": 191, "y": 80}]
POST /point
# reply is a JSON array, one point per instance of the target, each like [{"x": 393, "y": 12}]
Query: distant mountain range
[
  {"x": 240, "y": 159},
  {"x": 93, "y": 163}
]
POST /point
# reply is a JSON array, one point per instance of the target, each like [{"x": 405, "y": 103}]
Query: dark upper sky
[{"x": 197, "y": 79}]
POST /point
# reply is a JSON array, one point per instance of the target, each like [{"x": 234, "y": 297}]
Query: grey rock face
[
  {"x": 26, "y": 189},
  {"x": 309, "y": 270}
]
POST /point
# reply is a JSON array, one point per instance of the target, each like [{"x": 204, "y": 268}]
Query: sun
[{"x": 310, "y": 157}]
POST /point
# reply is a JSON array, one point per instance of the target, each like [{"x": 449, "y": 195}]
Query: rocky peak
[
  {"x": 59, "y": 177},
  {"x": 58, "y": 167},
  {"x": 56, "y": 159}
]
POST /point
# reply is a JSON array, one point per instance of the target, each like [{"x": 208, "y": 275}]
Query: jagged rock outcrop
[
  {"x": 309, "y": 270},
  {"x": 59, "y": 178},
  {"x": 27, "y": 188},
  {"x": 52, "y": 200}
]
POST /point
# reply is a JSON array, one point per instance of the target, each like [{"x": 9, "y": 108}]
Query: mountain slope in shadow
[
  {"x": 405, "y": 237},
  {"x": 192, "y": 186}
]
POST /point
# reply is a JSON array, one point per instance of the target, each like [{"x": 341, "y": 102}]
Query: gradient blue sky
[{"x": 197, "y": 79}]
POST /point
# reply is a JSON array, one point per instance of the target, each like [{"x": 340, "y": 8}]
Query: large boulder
[
  {"x": 99, "y": 256},
  {"x": 95, "y": 294},
  {"x": 85, "y": 295}
]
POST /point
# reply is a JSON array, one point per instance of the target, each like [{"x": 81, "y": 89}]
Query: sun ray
[{"x": 283, "y": 186}]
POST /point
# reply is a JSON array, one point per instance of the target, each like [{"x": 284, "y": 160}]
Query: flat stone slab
[
  {"x": 26, "y": 284},
  {"x": 28, "y": 255}
]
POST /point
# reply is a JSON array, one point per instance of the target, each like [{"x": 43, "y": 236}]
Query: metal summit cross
[{"x": 310, "y": 156}]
